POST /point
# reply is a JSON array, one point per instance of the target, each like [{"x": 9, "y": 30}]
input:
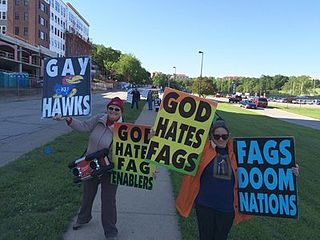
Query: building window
[
  {"x": 42, "y": 7},
  {"x": 25, "y": 31},
  {"x": 26, "y": 2},
  {"x": 17, "y": 2},
  {"x": 26, "y": 16},
  {"x": 16, "y": 16},
  {"x": 4, "y": 2},
  {"x": 41, "y": 21},
  {"x": 3, "y": 15},
  {"x": 41, "y": 35},
  {"x": 16, "y": 30},
  {"x": 3, "y": 29}
]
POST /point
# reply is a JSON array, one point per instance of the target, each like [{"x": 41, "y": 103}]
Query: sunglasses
[
  {"x": 223, "y": 136},
  {"x": 114, "y": 109}
]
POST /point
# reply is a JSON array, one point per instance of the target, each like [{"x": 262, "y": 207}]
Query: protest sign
[
  {"x": 66, "y": 87},
  {"x": 266, "y": 183},
  {"x": 181, "y": 130},
  {"x": 129, "y": 148}
]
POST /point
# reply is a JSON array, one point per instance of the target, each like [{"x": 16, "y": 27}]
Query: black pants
[
  {"x": 108, "y": 203},
  {"x": 136, "y": 103},
  {"x": 212, "y": 224}
]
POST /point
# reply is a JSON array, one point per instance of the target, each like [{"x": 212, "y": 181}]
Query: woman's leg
[
  {"x": 206, "y": 222},
  {"x": 89, "y": 192},
  {"x": 109, "y": 208},
  {"x": 223, "y": 225}
]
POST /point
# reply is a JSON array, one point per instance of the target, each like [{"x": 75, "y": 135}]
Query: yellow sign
[{"x": 181, "y": 130}]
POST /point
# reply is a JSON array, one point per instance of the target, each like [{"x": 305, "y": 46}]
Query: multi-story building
[
  {"x": 58, "y": 25},
  {"x": 31, "y": 30},
  {"x": 3, "y": 16},
  {"x": 77, "y": 34},
  {"x": 29, "y": 21}
]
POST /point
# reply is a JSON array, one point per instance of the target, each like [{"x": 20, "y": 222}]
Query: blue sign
[{"x": 266, "y": 183}]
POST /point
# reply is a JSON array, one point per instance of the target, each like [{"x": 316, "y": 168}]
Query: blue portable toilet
[
  {"x": 5, "y": 80},
  {"x": 12, "y": 80}
]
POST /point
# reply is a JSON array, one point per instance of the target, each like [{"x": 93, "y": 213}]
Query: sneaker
[{"x": 77, "y": 226}]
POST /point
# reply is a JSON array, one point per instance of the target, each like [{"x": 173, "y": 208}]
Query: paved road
[
  {"x": 283, "y": 115},
  {"x": 22, "y": 129}
]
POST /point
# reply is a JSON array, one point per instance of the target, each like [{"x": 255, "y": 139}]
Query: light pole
[
  {"x": 199, "y": 86},
  {"x": 175, "y": 72}
]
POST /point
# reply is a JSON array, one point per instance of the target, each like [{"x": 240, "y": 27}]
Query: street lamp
[
  {"x": 199, "y": 86},
  {"x": 175, "y": 72}
]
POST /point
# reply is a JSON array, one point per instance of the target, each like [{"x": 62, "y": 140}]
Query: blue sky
[{"x": 238, "y": 37}]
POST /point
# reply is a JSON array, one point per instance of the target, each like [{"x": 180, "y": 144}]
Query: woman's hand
[
  {"x": 295, "y": 170},
  {"x": 59, "y": 117},
  {"x": 151, "y": 134}
]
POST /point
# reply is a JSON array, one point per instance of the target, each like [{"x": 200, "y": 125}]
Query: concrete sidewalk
[{"x": 142, "y": 214}]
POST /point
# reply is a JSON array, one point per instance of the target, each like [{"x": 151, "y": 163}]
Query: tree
[
  {"x": 160, "y": 79},
  {"x": 203, "y": 86},
  {"x": 104, "y": 58},
  {"x": 128, "y": 69}
]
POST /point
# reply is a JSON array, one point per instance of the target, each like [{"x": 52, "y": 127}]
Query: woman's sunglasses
[
  {"x": 114, "y": 109},
  {"x": 223, "y": 136}
]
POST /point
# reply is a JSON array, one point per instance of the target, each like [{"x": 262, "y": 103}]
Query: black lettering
[
  {"x": 119, "y": 149},
  {"x": 189, "y": 136},
  {"x": 150, "y": 183},
  {"x": 136, "y": 150},
  {"x": 125, "y": 179},
  {"x": 199, "y": 133},
  {"x": 120, "y": 162},
  {"x": 203, "y": 113},
  {"x": 153, "y": 146},
  {"x": 182, "y": 105},
  {"x": 128, "y": 151},
  {"x": 122, "y": 132},
  {"x": 131, "y": 166},
  {"x": 146, "y": 135},
  {"x": 131, "y": 180},
  {"x": 172, "y": 132},
  {"x": 162, "y": 126},
  {"x": 144, "y": 167},
  {"x": 170, "y": 108},
  {"x": 143, "y": 151},
  {"x": 164, "y": 155},
  {"x": 183, "y": 129},
  {"x": 177, "y": 161},
  {"x": 135, "y": 134},
  {"x": 191, "y": 162}
]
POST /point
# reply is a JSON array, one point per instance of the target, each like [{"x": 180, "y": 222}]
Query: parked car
[
  {"x": 260, "y": 102},
  {"x": 248, "y": 104},
  {"x": 235, "y": 99}
]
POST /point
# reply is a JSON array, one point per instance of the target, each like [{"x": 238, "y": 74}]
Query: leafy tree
[
  {"x": 128, "y": 69},
  {"x": 104, "y": 58},
  {"x": 160, "y": 79},
  {"x": 203, "y": 86}
]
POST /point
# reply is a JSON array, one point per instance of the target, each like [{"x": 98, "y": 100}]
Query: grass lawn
[
  {"x": 37, "y": 196},
  {"x": 245, "y": 123},
  {"x": 313, "y": 112}
]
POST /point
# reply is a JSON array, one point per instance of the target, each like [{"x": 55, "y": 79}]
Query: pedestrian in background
[
  {"x": 100, "y": 128},
  {"x": 150, "y": 99},
  {"x": 135, "y": 98}
]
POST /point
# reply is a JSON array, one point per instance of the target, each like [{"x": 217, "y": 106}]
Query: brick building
[{"x": 29, "y": 21}]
